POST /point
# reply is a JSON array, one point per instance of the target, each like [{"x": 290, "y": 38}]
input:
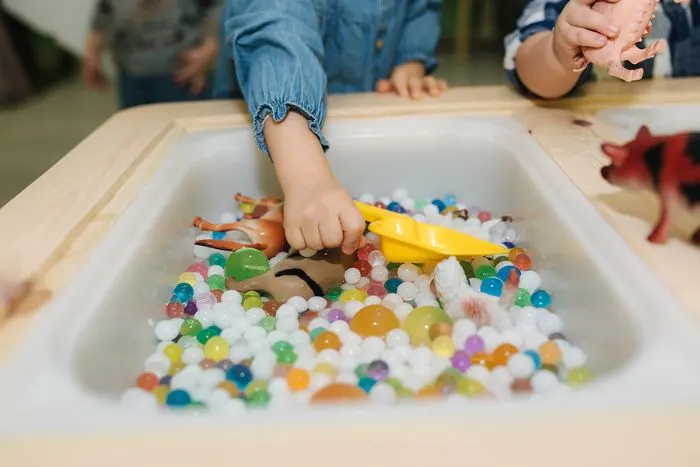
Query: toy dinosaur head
[{"x": 635, "y": 164}]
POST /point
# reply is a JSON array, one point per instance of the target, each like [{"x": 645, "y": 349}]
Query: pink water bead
[
  {"x": 376, "y": 289},
  {"x": 201, "y": 267},
  {"x": 485, "y": 216},
  {"x": 207, "y": 300}
]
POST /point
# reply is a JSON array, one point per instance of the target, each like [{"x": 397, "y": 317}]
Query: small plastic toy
[
  {"x": 633, "y": 17},
  {"x": 405, "y": 240},
  {"x": 261, "y": 229},
  {"x": 668, "y": 165}
]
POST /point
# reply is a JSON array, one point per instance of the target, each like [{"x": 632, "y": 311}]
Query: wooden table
[{"x": 49, "y": 230}]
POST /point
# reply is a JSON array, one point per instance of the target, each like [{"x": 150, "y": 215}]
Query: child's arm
[
  {"x": 92, "y": 61},
  {"x": 543, "y": 53},
  {"x": 278, "y": 52},
  {"x": 415, "y": 55}
]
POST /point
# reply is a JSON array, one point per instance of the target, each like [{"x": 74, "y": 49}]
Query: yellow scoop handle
[{"x": 373, "y": 213}]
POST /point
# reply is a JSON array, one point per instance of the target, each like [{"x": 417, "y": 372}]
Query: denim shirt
[{"x": 289, "y": 54}]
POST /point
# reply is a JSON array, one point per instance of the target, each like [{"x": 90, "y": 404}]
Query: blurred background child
[
  {"x": 163, "y": 49},
  {"x": 288, "y": 55},
  {"x": 546, "y": 47}
]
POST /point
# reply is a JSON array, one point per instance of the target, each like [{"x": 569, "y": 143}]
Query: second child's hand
[{"x": 409, "y": 80}]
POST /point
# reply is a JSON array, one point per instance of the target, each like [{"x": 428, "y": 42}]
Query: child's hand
[
  {"x": 92, "y": 74},
  {"x": 195, "y": 65},
  {"x": 579, "y": 26},
  {"x": 409, "y": 80},
  {"x": 322, "y": 215}
]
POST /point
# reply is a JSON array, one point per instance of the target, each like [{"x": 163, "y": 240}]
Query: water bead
[
  {"x": 217, "y": 293},
  {"x": 280, "y": 347},
  {"x": 207, "y": 333},
  {"x": 216, "y": 282},
  {"x": 376, "y": 258},
  {"x": 443, "y": 346},
  {"x": 484, "y": 216},
  {"x": 325, "y": 368},
  {"x": 374, "y": 320},
  {"x": 408, "y": 272},
  {"x": 469, "y": 387},
  {"x": 378, "y": 370},
  {"x": 216, "y": 348},
  {"x": 184, "y": 292},
  {"x": 535, "y": 357},
  {"x": 173, "y": 352},
  {"x": 541, "y": 299},
  {"x": 200, "y": 267},
  {"x": 205, "y": 301},
  {"x": 288, "y": 357},
  {"x": 352, "y": 276},
  {"x": 353, "y": 295},
  {"x": 376, "y": 290},
  {"x": 474, "y": 344},
  {"x": 440, "y": 329},
  {"x": 298, "y": 379},
  {"x": 484, "y": 359},
  {"x": 175, "y": 310},
  {"x": 461, "y": 360},
  {"x": 578, "y": 376},
  {"x": 492, "y": 286},
  {"x": 207, "y": 363},
  {"x": 503, "y": 273},
  {"x": 147, "y": 381},
  {"x": 178, "y": 398},
  {"x": 259, "y": 399},
  {"x": 338, "y": 392},
  {"x": 439, "y": 204},
  {"x": 521, "y": 385},
  {"x": 161, "y": 393},
  {"x": 246, "y": 263},
  {"x": 484, "y": 271},
  {"x": 240, "y": 375},
  {"x": 190, "y": 327},
  {"x": 396, "y": 207},
  {"x": 326, "y": 340},
  {"x": 515, "y": 252},
  {"x": 268, "y": 323},
  {"x": 530, "y": 280},
  {"x": 366, "y": 383},
  {"x": 419, "y": 321},
  {"x": 217, "y": 259},
  {"x": 550, "y": 353},
  {"x": 522, "y": 299},
  {"x": 503, "y": 353},
  {"x": 522, "y": 262}
]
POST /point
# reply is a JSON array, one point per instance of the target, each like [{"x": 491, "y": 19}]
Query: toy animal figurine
[
  {"x": 459, "y": 300},
  {"x": 668, "y": 165},
  {"x": 262, "y": 229},
  {"x": 633, "y": 17},
  {"x": 297, "y": 275}
]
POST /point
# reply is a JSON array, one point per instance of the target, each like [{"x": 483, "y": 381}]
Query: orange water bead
[
  {"x": 515, "y": 252},
  {"x": 440, "y": 329},
  {"x": 327, "y": 340},
  {"x": 522, "y": 262},
  {"x": 147, "y": 381},
  {"x": 271, "y": 307},
  {"x": 338, "y": 392},
  {"x": 175, "y": 310},
  {"x": 429, "y": 267},
  {"x": 550, "y": 353},
  {"x": 230, "y": 387},
  {"x": 207, "y": 363},
  {"x": 503, "y": 353},
  {"x": 298, "y": 379},
  {"x": 374, "y": 320},
  {"x": 306, "y": 318},
  {"x": 217, "y": 293},
  {"x": 484, "y": 359},
  {"x": 427, "y": 392}
]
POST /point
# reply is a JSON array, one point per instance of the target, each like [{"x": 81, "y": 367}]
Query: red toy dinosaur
[{"x": 669, "y": 165}]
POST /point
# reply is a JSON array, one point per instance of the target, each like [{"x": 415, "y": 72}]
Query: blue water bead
[
  {"x": 492, "y": 286},
  {"x": 541, "y": 299},
  {"x": 536, "y": 359},
  {"x": 366, "y": 383},
  {"x": 439, "y": 204},
  {"x": 504, "y": 272},
  {"x": 240, "y": 375},
  {"x": 183, "y": 292},
  {"x": 316, "y": 332},
  {"x": 218, "y": 235},
  {"x": 450, "y": 200},
  {"x": 396, "y": 207},
  {"x": 178, "y": 398},
  {"x": 509, "y": 245},
  {"x": 392, "y": 285}
]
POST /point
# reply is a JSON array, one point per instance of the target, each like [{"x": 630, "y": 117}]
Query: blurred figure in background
[{"x": 163, "y": 49}]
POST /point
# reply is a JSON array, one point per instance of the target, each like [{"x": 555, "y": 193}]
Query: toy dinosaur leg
[
  {"x": 229, "y": 245},
  {"x": 658, "y": 235},
  {"x": 636, "y": 55},
  {"x": 615, "y": 69},
  {"x": 208, "y": 226},
  {"x": 266, "y": 202}
]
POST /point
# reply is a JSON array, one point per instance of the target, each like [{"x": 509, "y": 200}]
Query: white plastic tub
[
  {"x": 661, "y": 120},
  {"x": 90, "y": 342}
]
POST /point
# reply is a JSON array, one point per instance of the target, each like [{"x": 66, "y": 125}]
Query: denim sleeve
[
  {"x": 213, "y": 10},
  {"x": 101, "y": 15},
  {"x": 538, "y": 16},
  {"x": 278, "y": 53},
  {"x": 421, "y": 33}
]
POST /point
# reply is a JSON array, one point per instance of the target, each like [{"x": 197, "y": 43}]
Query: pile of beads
[{"x": 380, "y": 336}]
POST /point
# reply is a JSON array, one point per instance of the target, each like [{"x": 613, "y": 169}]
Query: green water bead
[
  {"x": 393, "y": 266},
  {"x": 259, "y": 399},
  {"x": 217, "y": 259},
  {"x": 205, "y": 334},
  {"x": 404, "y": 393},
  {"x": 578, "y": 376},
  {"x": 551, "y": 368},
  {"x": 394, "y": 383},
  {"x": 421, "y": 204},
  {"x": 190, "y": 327},
  {"x": 484, "y": 271},
  {"x": 254, "y": 387},
  {"x": 288, "y": 357},
  {"x": 499, "y": 259},
  {"x": 467, "y": 268},
  {"x": 316, "y": 332},
  {"x": 280, "y": 347},
  {"x": 251, "y": 293},
  {"x": 216, "y": 282},
  {"x": 361, "y": 370},
  {"x": 268, "y": 323},
  {"x": 246, "y": 263},
  {"x": 252, "y": 302},
  {"x": 333, "y": 294},
  {"x": 522, "y": 299},
  {"x": 469, "y": 387}
]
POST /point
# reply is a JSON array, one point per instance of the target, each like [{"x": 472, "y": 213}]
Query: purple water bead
[
  {"x": 461, "y": 360},
  {"x": 335, "y": 315},
  {"x": 190, "y": 308},
  {"x": 378, "y": 370},
  {"x": 474, "y": 344}
]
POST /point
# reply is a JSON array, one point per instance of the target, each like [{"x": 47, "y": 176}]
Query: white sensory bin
[{"x": 90, "y": 342}]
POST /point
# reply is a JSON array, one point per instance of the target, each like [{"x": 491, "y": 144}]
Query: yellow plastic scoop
[{"x": 405, "y": 240}]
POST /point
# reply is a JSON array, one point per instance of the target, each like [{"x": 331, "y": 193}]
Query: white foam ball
[
  {"x": 217, "y": 400},
  {"x": 287, "y": 324},
  {"x": 347, "y": 377},
  {"x": 391, "y": 300},
  {"x": 306, "y": 362},
  {"x": 373, "y": 300},
  {"x": 277, "y": 336},
  {"x": 215, "y": 270},
  {"x": 318, "y": 323},
  {"x": 379, "y": 274},
  {"x": 235, "y": 407},
  {"x": 287, "y": 311},
  {"x": 192, "y": 355},
  {"x": 530, "y": 281},
  {"x": 167, "y": 330},
  {"x": 339, "y": 326},
  {"x": 491, "y": 337},
  {"x": 349, "y": 338},
  {"x": 512, "y": 336},
  {"x": 238, "y": 352},
  {"x": 351, "y": 308},
  {"x": 255, "y": 332},
  {"x": 264, "y": 364},
  {"x": 407, "y": 291},
  {"x": 352, "y": 276},
  {"x": 534, "y": 340},
  {"x": 255, "y": 315},
  {"x": 479, "y": 373},
  {"x": 382, "y": 393},
  {"x": 159, "y": 364},
  {"x": 319, "y": 381},
  {"x": 573, "y": 357},
  {"x": 300, "y": 303},
  {"x": 521, "y": 366},
  {"x": 397, "y": 338},
  {"x": 299, "y": 337},
  {"x": 231, "y": 335},
  {"x": 544, "y": 382},
  {"x": 317, "y": 303},
  {"x": 330, "y": 356},
  {"x": 549, "y": 323},
  {"x": 420, "y": 356},
  {"x": 139, "y": 400},
  {"x": 373, "y": 345},
  {"x": 502, "y": 375},
  {"x": 402, "y": 310},
  {"x": 223, "y": 317},
  {"x": 256, "y": 346},
  {"x": 242, "y": 324}
]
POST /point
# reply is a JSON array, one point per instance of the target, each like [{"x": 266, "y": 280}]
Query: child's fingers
[
  {"x": 442, "y": 85},
  {"x": 592, "y": 20},
  {"x": 353, "y": 225},
  {"x": 312, "y": 234},
  {"x": 431, "y": 86},
  {"x": 331, "y": 232},
  {"x": 584, "y": 37},
  {"x": 400, "y": 83},
  {"x": 383, "y": 86},
  {"x": 295, "y": 238},
  {"x": 415, "y": 86}
]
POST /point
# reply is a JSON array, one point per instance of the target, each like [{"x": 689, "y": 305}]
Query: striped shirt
[{"x": 678, "y": 24}]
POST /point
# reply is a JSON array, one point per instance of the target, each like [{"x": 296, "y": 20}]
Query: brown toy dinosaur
[{"x": 633, "y": 17}]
